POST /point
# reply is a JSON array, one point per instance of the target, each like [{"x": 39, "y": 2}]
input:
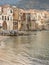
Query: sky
[
  {"x": 35, "y": 3},
  {"x": 8, "y": 2},
  {"x": 43, "y": 4},
  {"x": 15, "y": 1}
]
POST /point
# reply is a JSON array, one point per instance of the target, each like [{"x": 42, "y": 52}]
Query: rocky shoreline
[
  {"x": 13, "y": 33},
  {"x": 17, "y": 33}
]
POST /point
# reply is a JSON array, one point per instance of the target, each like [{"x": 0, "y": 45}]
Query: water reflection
[{"x": 25, "y": 50}]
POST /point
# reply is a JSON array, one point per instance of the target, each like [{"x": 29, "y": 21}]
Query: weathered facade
[
  {"x": 13, "y": 18},
  {"x": 6, "y": 17}
]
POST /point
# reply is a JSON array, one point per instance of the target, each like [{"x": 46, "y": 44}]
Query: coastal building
[
  {"x": 6, "y": 17},
  {"x": 33, "y": 20},
  {"x": 15, "y": 17},
  {"x": 20, "y": 21}
]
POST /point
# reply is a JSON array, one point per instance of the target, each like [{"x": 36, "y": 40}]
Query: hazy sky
[
  {"x": 15, "y": 1},
  {"x": 8, "y": 1},
  {"x": 35, "y": 3}
]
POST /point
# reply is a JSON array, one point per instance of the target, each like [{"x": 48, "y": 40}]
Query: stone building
[
  {"x": 6, "y": 17},
  {"x": 25, "y": 18},
  {"x": 15, "y": 17}
]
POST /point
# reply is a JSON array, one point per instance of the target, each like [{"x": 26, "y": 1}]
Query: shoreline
[{"x": 19, "y": 33}]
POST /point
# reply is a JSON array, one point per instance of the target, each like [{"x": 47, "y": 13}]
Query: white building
[{"x": 6, "y": 15}]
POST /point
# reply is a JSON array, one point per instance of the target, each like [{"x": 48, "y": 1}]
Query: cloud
[
  {"x": 46, "y": 6},
  {"x": 27, "y": 3},
  {"x": 8, "y": 1},
  {"x": 34, "y": 4}
]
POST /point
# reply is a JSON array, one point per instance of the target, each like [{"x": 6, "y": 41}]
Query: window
[
  {"x": 15, "y": 23},
  {"x": 10, "y": 11},
  {"x": 2, "y": 17},
  {"x": 5, "y": 17},
  {"x": 11, "y": 18},
  {"x": 28, "y": 17},
  {"x": 8, "y": 18}
]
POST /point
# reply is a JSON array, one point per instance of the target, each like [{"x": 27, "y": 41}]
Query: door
[
  {"x": 15, "y": 25},
  {"x": 4, "y": 25}
]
